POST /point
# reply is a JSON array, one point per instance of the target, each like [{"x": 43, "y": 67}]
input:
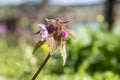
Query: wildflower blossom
[
  {"x": 45, "y": 48},
  {"x": 43, "y": 32},
  {"x": 54, "y": 34},
  {"x": 64, "y": 34}
]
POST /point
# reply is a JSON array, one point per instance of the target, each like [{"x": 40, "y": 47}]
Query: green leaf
[{"x": 38, "y": 44}]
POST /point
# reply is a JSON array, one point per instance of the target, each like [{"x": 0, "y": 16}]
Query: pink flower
[
  {"x": 43, "y": 32},
  {"x": 64, "y": 34}
]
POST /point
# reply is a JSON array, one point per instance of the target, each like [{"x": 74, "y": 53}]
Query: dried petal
[
  {"x": 50, "y": 42},
  {"x": 53, "y": 44},
  {"x": 63, "y": 53}
]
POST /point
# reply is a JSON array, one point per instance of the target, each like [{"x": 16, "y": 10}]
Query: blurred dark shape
[
  {"x": 109, "y": 14},
  {"x": 10, "y": 22},
  {"x": 3, "y": 29}
]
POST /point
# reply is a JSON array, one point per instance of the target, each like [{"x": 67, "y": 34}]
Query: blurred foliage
[{"x": 94, "y": 55}]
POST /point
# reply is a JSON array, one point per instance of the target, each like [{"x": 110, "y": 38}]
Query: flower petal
[
  {"x": 63, "y": 53},
  {"x": 43, "y": 32},
  {"x": 64, "y": 34},
  {"x": 42, "y": 26}
]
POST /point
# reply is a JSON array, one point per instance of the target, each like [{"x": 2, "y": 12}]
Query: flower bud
[{"x": 64, "y": 34}]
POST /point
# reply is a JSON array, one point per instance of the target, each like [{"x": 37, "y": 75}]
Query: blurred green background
[{"x": 94, "y": 55}]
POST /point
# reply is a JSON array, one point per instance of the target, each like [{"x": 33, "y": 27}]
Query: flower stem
[{"x": 41, "y": 67}]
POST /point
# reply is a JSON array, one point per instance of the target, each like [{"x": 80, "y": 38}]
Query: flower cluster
[
  {"x": 54, "y": 34},
  {"x": 54, "y": 28},
  {"x": 43, "y": 32}
]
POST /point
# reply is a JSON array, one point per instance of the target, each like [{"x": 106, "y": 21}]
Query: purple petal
[
  {"x": 64, "y": 34},
  {"x": 41, "y": 39},
  {"x": 43, "y": 32},
  {"x": 42, "y": 26}
]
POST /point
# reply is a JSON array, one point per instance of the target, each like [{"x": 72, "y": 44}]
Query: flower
[
  {"x": 43, "y": 32},
  {"x": 54, "y": 35},
  {"x": 45, "y": 48},
  {"x": 50, "y": 29},
  {"x": 64, "y": 34},
  {"x": 42, "y": 26}
]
